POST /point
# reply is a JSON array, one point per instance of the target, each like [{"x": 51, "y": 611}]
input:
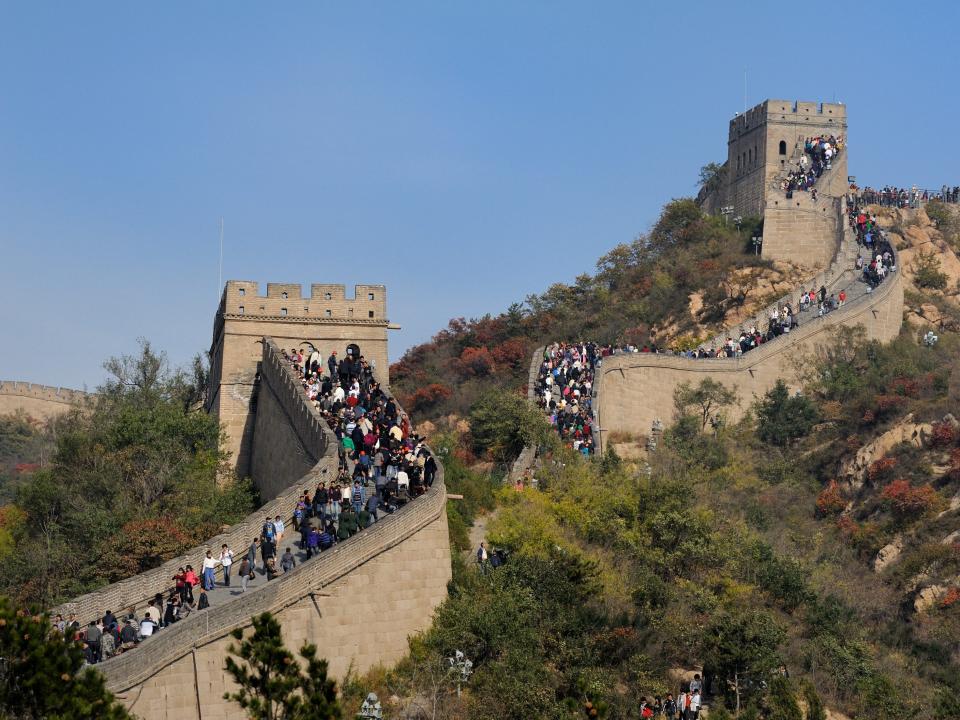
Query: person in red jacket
[{"x": 190, "y": 580}]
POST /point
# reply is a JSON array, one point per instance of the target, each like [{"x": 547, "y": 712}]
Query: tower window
[
  {"x": 783, "y": 147},
  {"x": 370, "y": 313},
  {"x": 283, "y": 312},
  {"x": 327, "y": 313},
  {"x": 240, "y": 309},
  {"x": 369, "y": 296},
  {"x": 350, "y": 312},
  {"x": 242, "y": 292},
  {"x": 283, "y": 295},
  {"x": 327, "y": 296}
]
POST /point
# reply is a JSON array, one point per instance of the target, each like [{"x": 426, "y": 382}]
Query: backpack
[{"x": 268, "y": 530}]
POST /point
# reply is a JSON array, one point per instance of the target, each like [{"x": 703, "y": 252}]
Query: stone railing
[
  {"x": 528, "y": 455},
  {"x": 135, "y": 592}
]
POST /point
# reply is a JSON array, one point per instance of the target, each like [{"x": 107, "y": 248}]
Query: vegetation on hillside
[
  {"x": 125, "y": 484},
  {"x": 639, "y": 293}
]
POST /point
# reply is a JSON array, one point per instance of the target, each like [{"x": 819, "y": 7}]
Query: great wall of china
[{"x": 361, "y": 601}]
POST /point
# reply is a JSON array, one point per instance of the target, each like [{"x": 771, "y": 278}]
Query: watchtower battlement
[
  {"x": 321, "y": 315},
  {"x": 322, "y": 302},
  {"x": 790, "y": 112}
]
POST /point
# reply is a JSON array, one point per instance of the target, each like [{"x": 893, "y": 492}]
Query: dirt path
[{"x": 478, "y": 531}]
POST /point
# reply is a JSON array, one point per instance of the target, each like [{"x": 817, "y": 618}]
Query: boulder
[
  {"x": 928, "y": 597},
  {"x": 888, "y": 554}
]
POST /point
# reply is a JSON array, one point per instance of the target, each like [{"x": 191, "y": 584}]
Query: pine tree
[
  {"x": 273, "y": 685},
  {"x": 40, "y": 673}
]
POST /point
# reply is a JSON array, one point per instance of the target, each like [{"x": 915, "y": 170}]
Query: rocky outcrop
[{"x": 854, "y": 470}]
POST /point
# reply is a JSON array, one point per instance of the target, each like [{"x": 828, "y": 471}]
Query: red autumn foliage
[
  {"x": 943, "y": 435},
  {"x": 26, "y": 468},
  {"x": 512, "y": 353},
  {"x": 905, "y": 386},
  {"x": 889, "y": 404},
  {"x": 847, "y": 526},
  {"x": 882, "y": 468},
  {"x": 830, "y": 501},
  {"x": 475, "y": 362},
  {"x": 951, "y": 598},
  {"x": 427, "y": 396},
  {"x": 908, "y": 501}
]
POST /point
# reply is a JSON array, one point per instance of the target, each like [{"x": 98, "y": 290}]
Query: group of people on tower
[{"x": 818, "y": 155}]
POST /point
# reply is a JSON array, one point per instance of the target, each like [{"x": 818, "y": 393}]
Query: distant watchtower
[
  {"x": 325, "y": 317},
  {"x": 767, "y": 141}
]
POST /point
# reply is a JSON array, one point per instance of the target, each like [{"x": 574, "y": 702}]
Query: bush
[
  {"x": 927, "y": 273},
  {"x": 906, "y": 501},
  {"x": 943, "y": 435},
  {"x": 831, "y": 501},
  {"x": 815, "y": 709}
]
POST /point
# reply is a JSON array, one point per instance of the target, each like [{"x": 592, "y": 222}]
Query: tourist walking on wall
[
  {"x": 226, "y": 560},
  {"x": 246, "y": 572},
  {"x": 209, "y": 570}
]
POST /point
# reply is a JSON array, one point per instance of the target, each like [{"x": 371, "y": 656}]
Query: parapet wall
[
  {"x": 635, "y": 389},
  {"x": 289, "y": 435},
  {"x": 39, "y": 401},
  {"x": 289, "y": 301}
]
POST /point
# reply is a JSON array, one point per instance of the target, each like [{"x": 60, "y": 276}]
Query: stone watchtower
[
  {"x": 325, "y": 317},
  {"x": 764, "y": 145}
]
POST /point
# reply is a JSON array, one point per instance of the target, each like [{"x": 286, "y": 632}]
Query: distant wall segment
[
  {"x": 635, "y": 389},
  {"x": 39, "y": 401}
]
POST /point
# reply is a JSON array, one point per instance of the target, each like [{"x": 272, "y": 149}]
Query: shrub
[
  {"x": 831, "y": 501},
  {"x": 927, "y": 273},
  {"x": 427, "y": 397},
  {"x": 943, "y": 435},
  {"x": 906, "y": 501},
  {"x": 881, "y": 469}
]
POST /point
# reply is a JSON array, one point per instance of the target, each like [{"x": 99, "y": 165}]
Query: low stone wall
[
  {"x": 635, "y": 389},
  {"x": 39, "y": 401}
]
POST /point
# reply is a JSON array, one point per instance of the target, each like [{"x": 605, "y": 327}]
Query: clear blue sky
[{"x": 465, "y": 154}]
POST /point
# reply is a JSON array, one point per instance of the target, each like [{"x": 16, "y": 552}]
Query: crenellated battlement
[
  {"x": 323, "y": 302},
  {"x": 789, "y": 112},
  {"x": 42, "y": 402},
  {"x": 43, "y": 392}
]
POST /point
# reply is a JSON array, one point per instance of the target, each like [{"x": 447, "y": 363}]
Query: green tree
[
  {"x": 273, "y": 685},
  {"x": 41, "y": 675},
  {"x": 502, "y": 423},
  {"x": 743, "y": 647},
  {"x": 707, "y": 398},
  {"x": 781, "y": 702},
  {"x": 711, "y": 177},
  {"x": 782, "y": 418}
]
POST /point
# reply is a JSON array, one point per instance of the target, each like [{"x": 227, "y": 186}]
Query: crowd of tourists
[
  {"x": 818, "y": 155},
  {"x": 912, "y": 197},
  {"x": 685, "y": 706},
  {"x": 564, "y": 389},
  {"x": 382, "y": 465}
]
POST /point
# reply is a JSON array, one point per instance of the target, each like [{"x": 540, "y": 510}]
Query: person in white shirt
[
  {"x": 146, "y": 627},
  {"x": 226, "y": 560},
  {"x": 209, "y": 567}
]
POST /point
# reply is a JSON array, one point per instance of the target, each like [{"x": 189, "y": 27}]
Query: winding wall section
[{"x": 358, "y": 602}]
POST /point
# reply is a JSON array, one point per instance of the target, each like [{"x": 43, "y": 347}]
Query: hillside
[{"x": 821, "y": 532}]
